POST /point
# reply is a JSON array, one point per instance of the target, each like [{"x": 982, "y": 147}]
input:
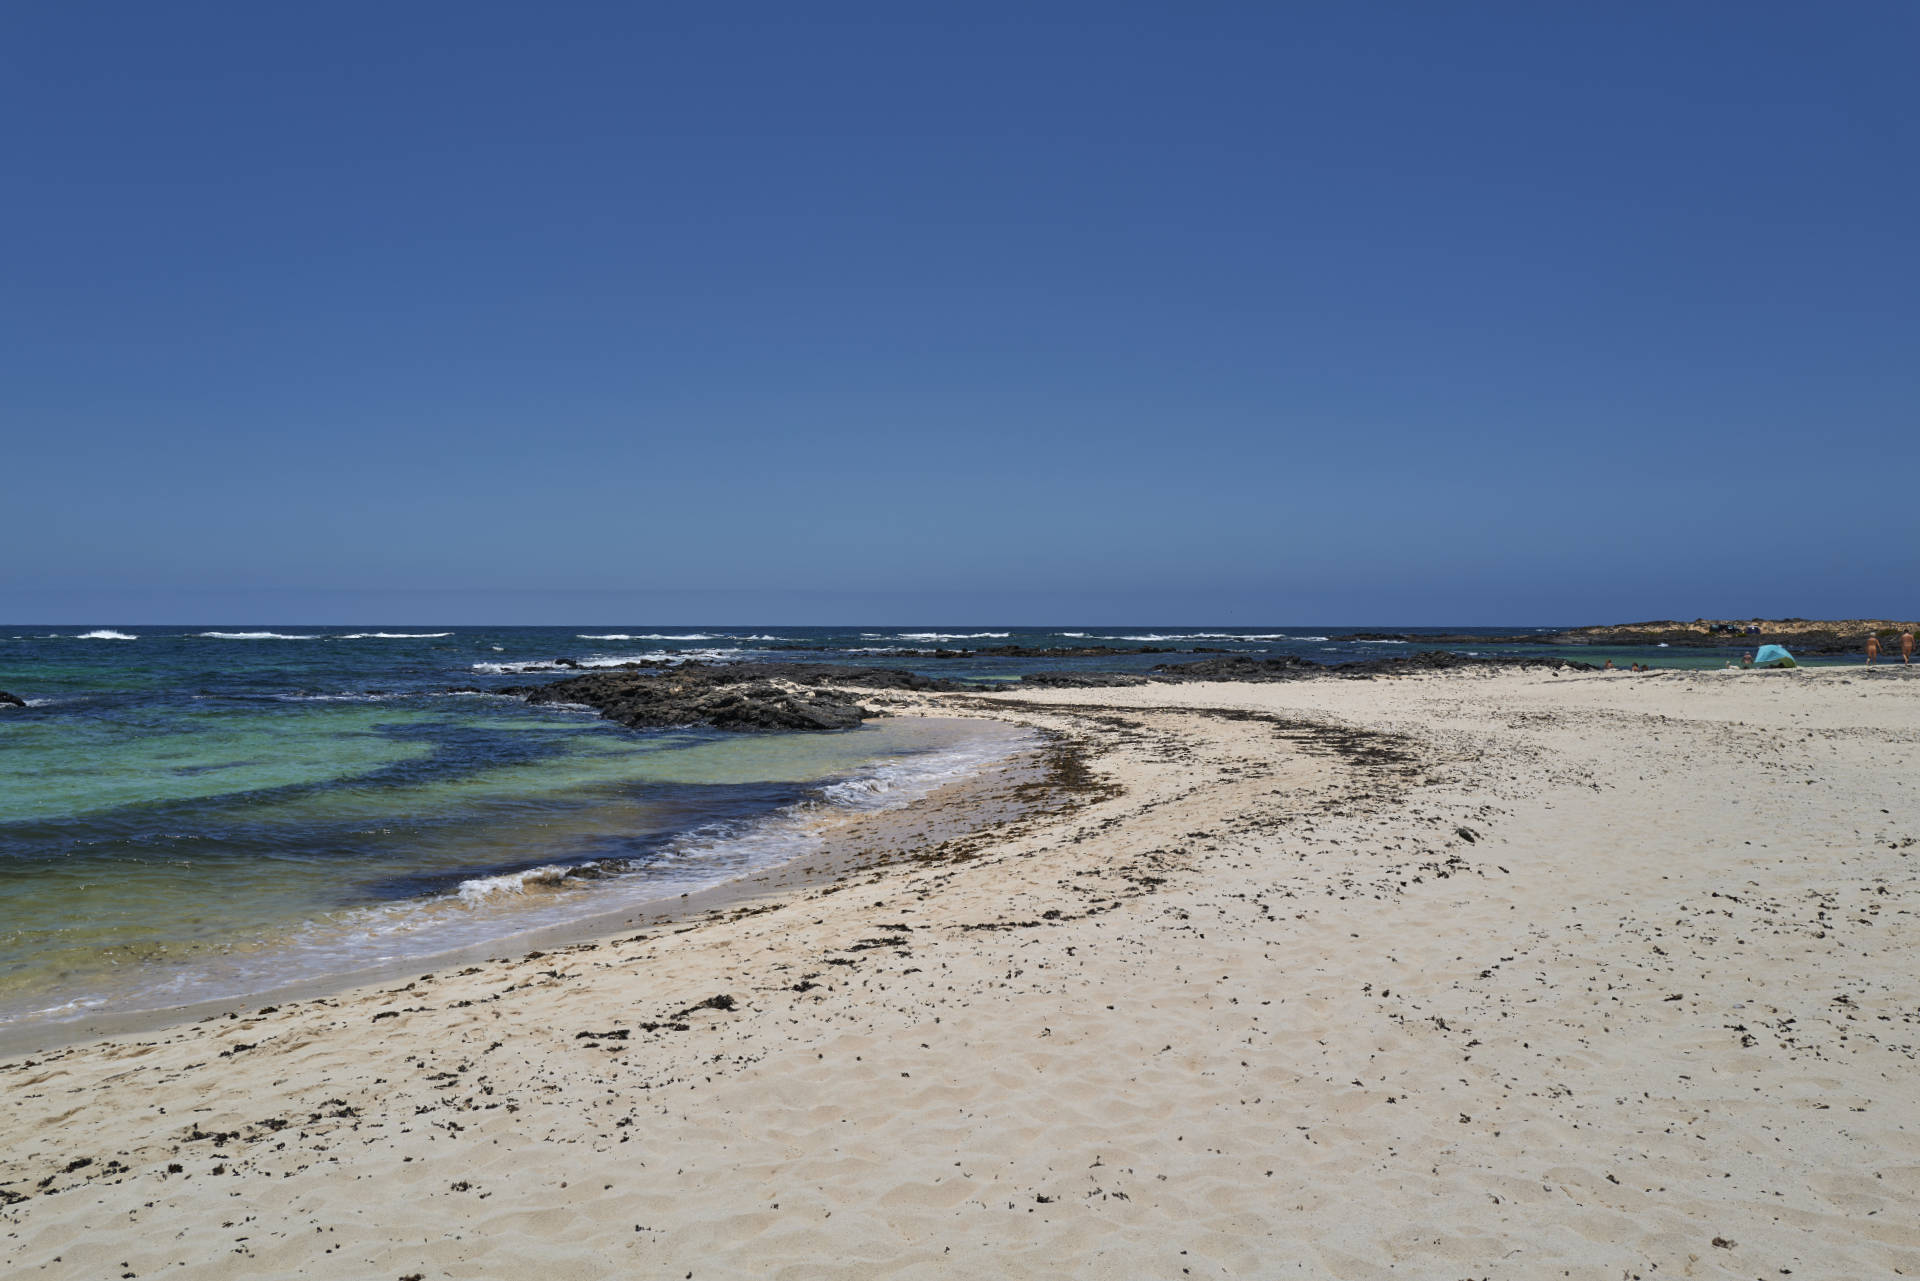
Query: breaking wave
[
  {"x": 104, "y": 633},
  {"x": 253, "y": 636},
  {"x": 673, "y": 658},
  {"x": 727, "y": 850},
  {"x": 1227, "y": 636}
]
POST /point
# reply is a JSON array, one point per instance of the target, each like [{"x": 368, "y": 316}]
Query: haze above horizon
[{"x": 1111, "y": 313}]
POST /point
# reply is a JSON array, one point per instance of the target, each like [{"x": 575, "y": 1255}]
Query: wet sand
[{"x": 1507, "y": 975}]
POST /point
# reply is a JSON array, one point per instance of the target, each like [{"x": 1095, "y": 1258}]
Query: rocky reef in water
[{"x": 731, "y": 696}]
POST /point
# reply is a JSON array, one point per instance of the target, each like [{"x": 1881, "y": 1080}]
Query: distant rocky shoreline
[{"x": 1805, "y": 635}]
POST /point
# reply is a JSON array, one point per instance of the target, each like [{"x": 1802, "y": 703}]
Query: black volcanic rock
[
  {"x": 1082, "y": 680},
  {"x": 731, "y": 696},
  {"x": 1286, "y": 667},
  {"x": 11, "y": 700}
]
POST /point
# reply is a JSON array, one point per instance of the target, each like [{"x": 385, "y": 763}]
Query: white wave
[
  {"x": 394, "y": 635},
  {"x": 722, "y": 851},
  {"x": 649, "y": 636},
  {"x": 904, "y": 781},
  {"x": 104, "y": 633},
  {"x": 334, "y": 698},
  {"x": 1230, "y": 636},
  {"x": 482, "y": 888},
  {"x": 253, "y": 636},
  {"x": 887, "y": 649},
  {"x": 675, "y": 658},
  {"x": 1380, "y": 642},
  {"x": 1075, "y": 635},
  {"x": 943, "y": 636}
]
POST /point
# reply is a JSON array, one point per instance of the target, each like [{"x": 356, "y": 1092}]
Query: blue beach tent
[{"x": 1773, "y": 656}]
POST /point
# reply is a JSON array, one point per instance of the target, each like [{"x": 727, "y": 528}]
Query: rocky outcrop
[
  {"x": 1286, "y": 667},
  {"x": 11, "y": 700},
  {"x": 656, "y": 703},
  {"x": 1083, "y": 680},
  {"x": 743, "y": 697}
]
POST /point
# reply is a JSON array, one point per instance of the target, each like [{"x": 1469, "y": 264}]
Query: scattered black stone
[
  {"x": 11, "y": 700},
  {"x": 721, "y": 1002}
]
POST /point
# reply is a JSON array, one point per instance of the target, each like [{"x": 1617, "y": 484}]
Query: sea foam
[
  {"x": 1227, "y": 636},
  {"x": 253, "y": 636},
  {"x": 673, "y": 658},
  {"x": 104, "y": 633},
  {"x": 726, "y": 850}
]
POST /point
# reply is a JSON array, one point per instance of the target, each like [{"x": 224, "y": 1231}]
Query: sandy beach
[{"x": 1502, "y": 974}]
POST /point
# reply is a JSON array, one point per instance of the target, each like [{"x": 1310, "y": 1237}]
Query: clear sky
[{"x": 1420, "y": 313}]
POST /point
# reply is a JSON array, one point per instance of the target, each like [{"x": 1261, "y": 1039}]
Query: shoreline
[
  {"x": 1443, "y": 973},
  {"x": 979, "y": 800}
]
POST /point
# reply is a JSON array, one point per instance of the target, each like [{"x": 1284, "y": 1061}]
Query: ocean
[{"x": 204, "y": 813}]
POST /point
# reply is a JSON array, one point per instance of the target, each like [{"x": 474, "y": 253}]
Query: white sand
[{"x": 1659, "y": 1017}]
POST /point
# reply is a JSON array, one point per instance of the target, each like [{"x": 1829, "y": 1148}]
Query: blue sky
[{"x": 1239, "y": 313}]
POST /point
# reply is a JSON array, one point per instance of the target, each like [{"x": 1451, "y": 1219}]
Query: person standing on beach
[
  {"x": 1906, "y": 646},
  {"x": 1873, "y": 648}
]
